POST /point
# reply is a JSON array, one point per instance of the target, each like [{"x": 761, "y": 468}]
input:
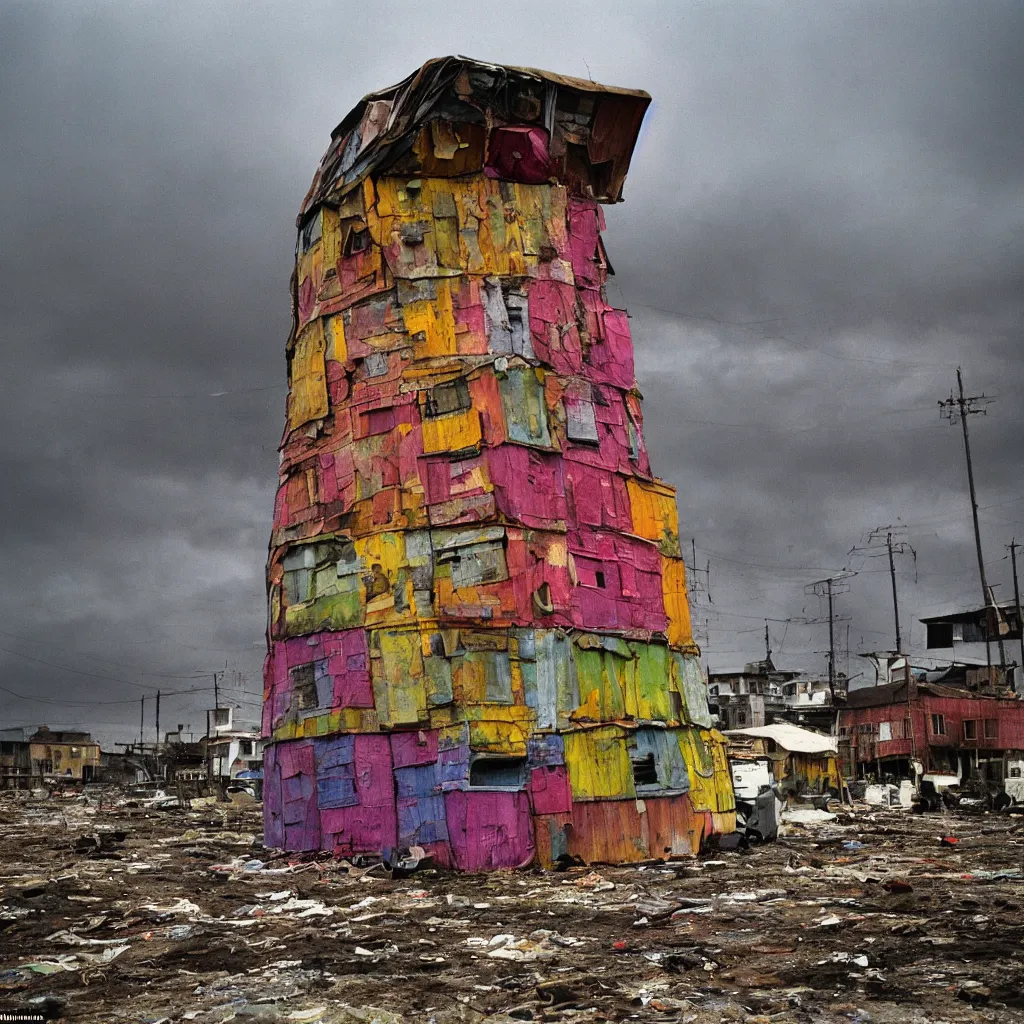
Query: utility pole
[
  {"x": 142, "y": 722},
  {"x": 156, "y": 748},
  {"x": 892, "y": 547},
  {"x": 831, "y": 588},
  {"x": 216, "y": 695},
  {"x": 767, "y": 643},
  {"x": 951, "y": 408},
  {"x": 1013, "y": 545},
  {"x": 895, "y": 600}
]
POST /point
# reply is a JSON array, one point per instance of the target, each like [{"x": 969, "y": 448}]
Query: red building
[{"x": 946, "y": 725}]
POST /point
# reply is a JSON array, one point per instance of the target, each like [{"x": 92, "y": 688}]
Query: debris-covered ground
[{"x": 139, "y": 915}]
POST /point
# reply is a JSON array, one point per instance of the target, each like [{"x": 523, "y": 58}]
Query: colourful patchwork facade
[{"x": 479, "y": 636}]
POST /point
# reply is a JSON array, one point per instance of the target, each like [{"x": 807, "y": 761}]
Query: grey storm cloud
[{"x": 823, "y": 219}]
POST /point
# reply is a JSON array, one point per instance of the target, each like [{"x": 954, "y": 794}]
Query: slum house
[
  {"x": 479, "y": 634},
  {"x": 67, "y": 755},
  {"x": 803, "y": 762},
  {"x": 231, "y": 748},
  {"x": 951, "y": 721},
  {"x": 973, "y": 636},
  {"x": 813, "y": 703},
  {"x": 752, "y": 697},
  {"x": 15, "y": 759},
  {"x": 762, "y": 694}
]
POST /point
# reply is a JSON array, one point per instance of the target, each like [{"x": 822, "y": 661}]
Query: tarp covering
[{"x": 791, "y": 737}]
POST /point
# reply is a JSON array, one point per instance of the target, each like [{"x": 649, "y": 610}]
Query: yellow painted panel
[
  {"x": 331, "y": 231},
  {"x": 398, "y": 691},
  {"x": 508, "y": 738},
  {"x": 334, "y": 336},
  {"x": 677, "y": 607},
  {"x": 452, "y": 432},
  {"x": 308, "y": 398},
  {"x": 599, "y": 765},
  {"x": 655, "y": 514},
  {"x": 431, "y": 324},
  {"x": 707, "y": 763},
  {"x": 387, "y": 588}
]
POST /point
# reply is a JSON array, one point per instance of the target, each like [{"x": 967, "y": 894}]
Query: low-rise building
[
  {"x": 762, "y": 694},
  {"x": 803, "y": 761},
  {"x": 15, "y": 759},
  {"x": 67, "y": 755},
  {"x": 950, "y": 722},
  {"x": 232, "y": 748}
]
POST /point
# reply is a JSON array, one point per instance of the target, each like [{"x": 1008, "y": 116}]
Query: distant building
[
  {"x": 232, "y": 748},
  {"x": 956, "y": 721},
  {"x": 962, "y": 634},
  {"x": 15, "y": 759},
  {"x": 68, "y": 755},
  {"x": 750, "y": 698},
  {"x": 762, "y": 694}
]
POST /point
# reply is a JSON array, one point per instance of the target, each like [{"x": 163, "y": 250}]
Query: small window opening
[
  {"x": 645, "y": 771},
  {"x": 448, "y": 398},
  {"x": 358, "y": 241},
  {"x": 312, "y": 231},
  {"x": 497, "y": 772},
  {"x": 599, "y": 578},
  {"x": 304, "y": 686}
]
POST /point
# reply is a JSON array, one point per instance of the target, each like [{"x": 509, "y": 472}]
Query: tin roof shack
[
  {"x": 803, "y": 762},
  {"x": 15, "y": 759},
  {"x": 479, "y": 635},
  {"x": 67, "y": 755},
  {"x": 957, "y": 724},
  {"x": 961, "y": 635}
]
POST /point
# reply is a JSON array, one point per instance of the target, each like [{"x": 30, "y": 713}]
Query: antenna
[
  {"x": 956, "y": 409},
  {"x": 831, "y": 588}
]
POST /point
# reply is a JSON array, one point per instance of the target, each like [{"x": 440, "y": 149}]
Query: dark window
[
  {"x": 304, "y": 686},
  {"x": 971, "y": 633},
  {"x": 971, "y": 729},
  {"x": 311, "y": 232},
  {"x": 599, "y": 578},
  {"x": 938, "y": 725},
  {"x": 358, "y": 241},
  {"x": 245, "y": 748},
  {"x": 6, "y": 748},
  {"x": 447, "y": 398},
  {"x": 497, "y": 772},
  {"x": 940, "y": 634},
  {"x": 645, "y": 771},
  {"x": 991, "y": 728}
]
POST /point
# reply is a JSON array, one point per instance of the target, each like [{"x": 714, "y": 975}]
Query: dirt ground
[{"x": 134, "y": 915}]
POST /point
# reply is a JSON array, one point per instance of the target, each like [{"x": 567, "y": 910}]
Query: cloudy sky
[{"x": 822, "y": 221}]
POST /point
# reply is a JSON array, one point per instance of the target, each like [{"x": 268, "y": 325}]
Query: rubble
[{"x": 865, "y": 917}]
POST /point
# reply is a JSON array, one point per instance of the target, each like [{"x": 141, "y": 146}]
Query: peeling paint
[{"x": 479, "y": 637}]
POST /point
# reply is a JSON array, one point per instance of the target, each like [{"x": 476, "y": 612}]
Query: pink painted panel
[
  {"x": 414, "y": 748},
  {"x": 528, "y": 485},
  {"x": 518, "y": 153},
  {"x": 371, "y": 825},
  {"x": 489, "y": 830},
  {"x": 553, "y": 330},
  {"x": 549, "y": 789},
  {"x": 583, "y": 238}
]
